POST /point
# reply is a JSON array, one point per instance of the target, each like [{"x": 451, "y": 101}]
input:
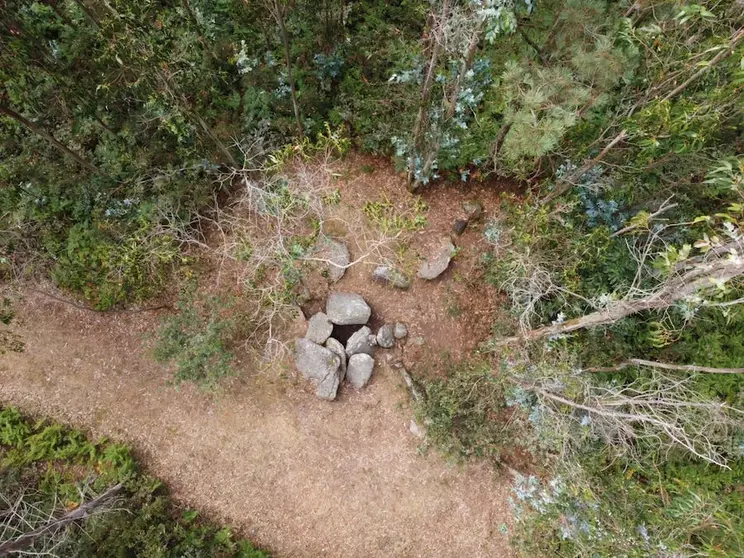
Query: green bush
[
  {"x": 463, "y": 412},
  {"x": 108, "y": 270},
  {"x": 601, "y": 507},
  {"x": 51, "y": 463},
  {"x": 196, "y": 339}
]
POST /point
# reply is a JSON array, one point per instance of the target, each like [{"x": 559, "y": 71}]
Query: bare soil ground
[
  {"x": 453, "y": 314},
  {"x": 300, "y": 476}
]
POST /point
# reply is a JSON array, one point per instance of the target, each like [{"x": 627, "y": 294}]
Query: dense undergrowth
[
  {"x": 576, "y": 495},
  {"x": 48, "y": 470}
]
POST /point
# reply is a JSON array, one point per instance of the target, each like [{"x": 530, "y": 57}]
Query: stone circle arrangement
[{"x": 322, "y": 358}]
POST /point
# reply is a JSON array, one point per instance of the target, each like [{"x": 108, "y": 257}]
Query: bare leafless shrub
[
  {"x": 658, "y": 409},
  {"x": 266, "y": 238}
]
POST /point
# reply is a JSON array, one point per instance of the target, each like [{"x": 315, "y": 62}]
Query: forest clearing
[
  {"x": 262, "y": 454},
  {"x": 364, "y": 278}
]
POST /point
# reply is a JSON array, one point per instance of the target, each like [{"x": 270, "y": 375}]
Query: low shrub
[
  {"x": 463, "y": 412},
  {"x": 108, "y": 270},
  {"x": 197, "y": 339}
]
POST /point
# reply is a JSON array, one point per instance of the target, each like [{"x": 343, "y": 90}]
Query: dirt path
[{"x": 300, "y": 476}]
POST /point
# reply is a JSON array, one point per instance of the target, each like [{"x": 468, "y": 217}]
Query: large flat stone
[
  {"x": 337, "y": 256},
  {"x": 313, "y": 361},
  {"x": 347, "y": 309}
]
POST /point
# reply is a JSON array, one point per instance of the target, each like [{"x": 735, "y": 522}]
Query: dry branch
[
  {"x": 665, "y": 366},
  {"x": 662, "y": 410},
  {"x": 54, "y": 525},
  {"x": 663, "y": 208},
  {"x": 675, "y": 289}
]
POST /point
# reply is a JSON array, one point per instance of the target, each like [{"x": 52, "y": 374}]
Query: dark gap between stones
[{"x": 343, "y": 332}]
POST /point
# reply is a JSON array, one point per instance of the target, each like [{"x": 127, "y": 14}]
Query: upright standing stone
[
  {"x": 386, "y": 336},
  {"x": 334, "y": 345},
  {"x": 337, "y": 255},
  {"x": 359, "y": 370},
  {"x": 400, "y": 330},
  {"x": 360, "y": 342},
  {"x": 319, "y": 328}
]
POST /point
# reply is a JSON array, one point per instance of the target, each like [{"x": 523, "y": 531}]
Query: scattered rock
[
  {"x": 418, "y": 341},
  {"x": 435, "y": 266},
  {"x": 347, "y": 309},
  {"x": 387, "y": 357},
  {"x": 336, "y": 347},
  {"x": 400, "y": 330},
  {"x": 386, "y": 336},
  {"x": 473, "y": 209},
  {"x": 394, "y": 277},
  {"x": 359, "y": 342},
  {"x": 416, "y": 429},
  {"x": 359, "y": 370},
  {"x": 320, "y": 364},
  {"x": 319, "y": 328},
  {"x": 337, "y": 255},
  {"x": 459, "y": 227}
]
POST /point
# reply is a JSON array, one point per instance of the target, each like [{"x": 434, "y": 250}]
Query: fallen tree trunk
[
  {"x": 664, "y": 366},
  {"x": 675, "y": 289}
]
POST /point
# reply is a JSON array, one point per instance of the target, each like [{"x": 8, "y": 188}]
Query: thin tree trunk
[
  {"x": 418, "y": 127},
  {"x": 103, "y": 125},
  {"x": 111, "y": 9},
  {"x": 54, "y": 5},
  {"x": 533, "y": 45},
  {"x": 500, "y": 137},
  {"x": 464, "y": 67},
  {"x": 183, "y": 102},
  {"x": 221, "y": 146},
  {"x": 566, "y": 183},
  {"x": 548, "y": 44},
  {"x": 736, "y": 38},
  {"x": 704, "y": 276},
  {"x": 279, "y": 17},
  {"x": 47, "y": 136},
  {"x": 88, "y": 13},
  {"x": 82, "y": 512},
  {"x": 467, "y": 62}
]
